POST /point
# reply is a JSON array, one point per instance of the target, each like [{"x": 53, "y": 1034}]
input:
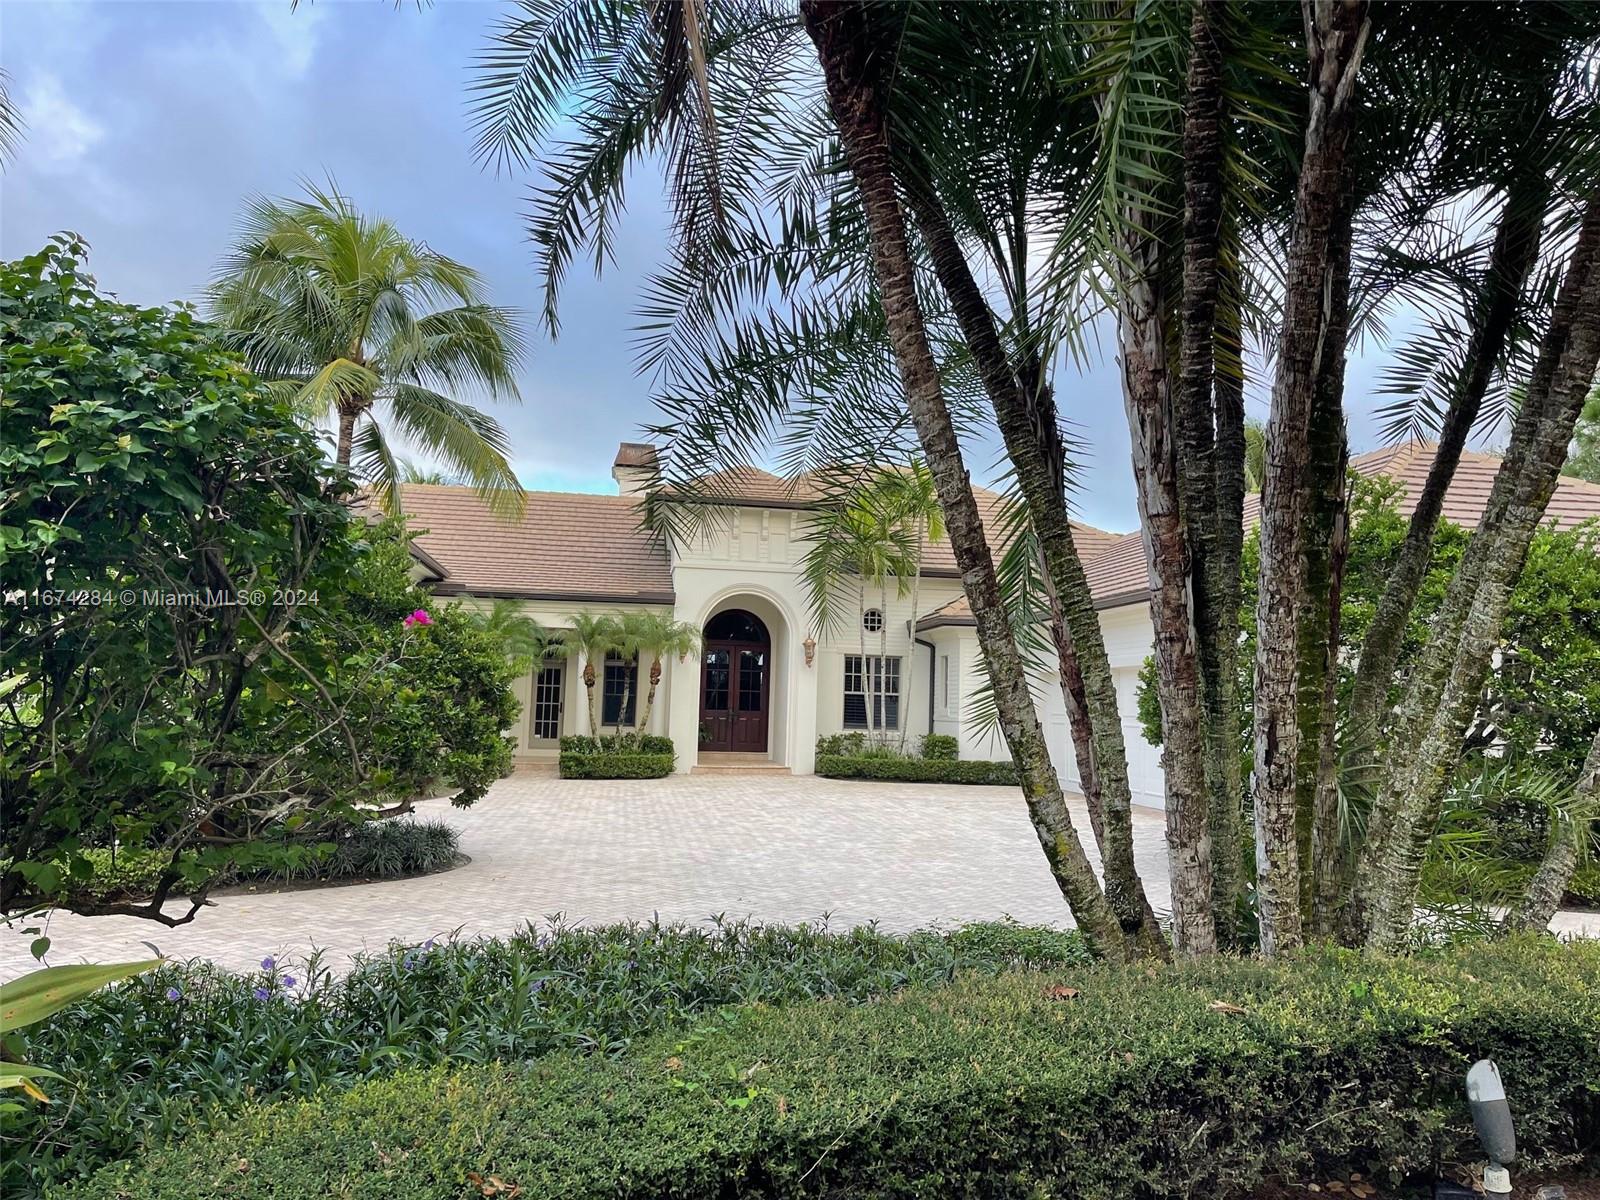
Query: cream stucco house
[{"x": 767, "y": 682}]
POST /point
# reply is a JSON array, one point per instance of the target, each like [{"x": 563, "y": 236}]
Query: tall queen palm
[{"x": 375, "y": 330}]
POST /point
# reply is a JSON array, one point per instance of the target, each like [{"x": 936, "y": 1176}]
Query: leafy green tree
[
  {"x": 344, "y": 312},
  {"x": 202, "y": 652},
  {"x": 148, "y": 482}
]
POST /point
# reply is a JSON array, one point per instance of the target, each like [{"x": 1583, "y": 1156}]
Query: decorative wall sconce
[{"x": 810, "y": 645}]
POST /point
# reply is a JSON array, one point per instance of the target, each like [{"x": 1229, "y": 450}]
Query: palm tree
[
  {"x": 344, "y": 313},
  {"x": 912, "y": 502},
  {"x": 415, "y": 472},
  {"x": 857, "y": 545},
  {"x": 1255, "y": 454},
  {"x": 10, "y": 120},
  {"x": 593, "y": 636},
  {"x": 524, "y": 639},
  {"x": 657, "y": 635}
]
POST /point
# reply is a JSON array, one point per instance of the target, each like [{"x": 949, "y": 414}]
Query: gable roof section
[{"x": 567, "y": 546}]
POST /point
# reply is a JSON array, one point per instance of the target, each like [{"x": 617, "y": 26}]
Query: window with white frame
[
  {"x": 872, "y": 620},
  {"x": 873, "y": 680},
  {"x": 944, "y": 684}
]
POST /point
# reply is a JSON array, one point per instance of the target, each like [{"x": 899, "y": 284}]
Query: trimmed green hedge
[
  {"x": 617, "y": 743},
  {"x": 617, "y": 756},
  {"x": 616, "y": 766},
  {"x": 1099, "y": 1082},
  {"x": 915, "y": 770}
]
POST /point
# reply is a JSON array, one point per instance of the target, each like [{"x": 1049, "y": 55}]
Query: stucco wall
[{"x": 750, "y": 558}]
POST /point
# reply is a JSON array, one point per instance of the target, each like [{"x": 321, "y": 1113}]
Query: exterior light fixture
[
  {"x": 810, "y": 646},
  {"x": 1491, "y": 1117}
]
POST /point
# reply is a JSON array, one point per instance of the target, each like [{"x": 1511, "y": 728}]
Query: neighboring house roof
[
  {"x": 567, "y": 546},
  {"x": 1119, "y": 575}
]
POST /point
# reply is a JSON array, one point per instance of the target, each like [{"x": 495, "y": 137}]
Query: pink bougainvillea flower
[{"x": 420, "y": 617}]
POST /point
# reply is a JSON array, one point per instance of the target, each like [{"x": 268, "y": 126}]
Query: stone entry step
[{"x": 729, "y": 763}]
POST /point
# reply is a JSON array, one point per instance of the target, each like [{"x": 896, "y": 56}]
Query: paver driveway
[
  {"x": 774, "y": 848},
  {"x": 770, "y": 847}
]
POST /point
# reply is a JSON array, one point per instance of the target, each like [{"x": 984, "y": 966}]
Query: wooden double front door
[{"x": 735, "y": 683}]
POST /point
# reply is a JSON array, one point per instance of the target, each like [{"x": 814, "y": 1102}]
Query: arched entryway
[{"x": 735, "y": 683}]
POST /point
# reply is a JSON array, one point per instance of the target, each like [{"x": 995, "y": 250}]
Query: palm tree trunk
[
  {"x": 866, "y": 663},
  {"x": 1549, "y": 883},
  {"x": 853, "y": 67},
  {"x": 1516, "y": 249},
  {"x": 1326, "y": 525},
  {"x": 643, "y": 725},
  {"x": 1445, "y": 686},
  {"x": 1224, "y": 733},
  {"x": 594, "y": 711},
  {"x": 1026, "y": 414},
  {"x": 1200, "y": 466},
  {"x": 1146, "y": 392},
  {"x": 883, "y": 661},
  {"x": 906, "y": 689},
  {"x": 348, "y": 415},
  {"x": 1336, "y": 35}
]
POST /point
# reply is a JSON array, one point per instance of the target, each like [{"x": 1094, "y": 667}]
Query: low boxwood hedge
[
  {"x": 915, "y": 770},
  {"x": 616, "y": 756},
  {"x": 1201, "y": 1079},
  {"x": 616, "y": 766}
]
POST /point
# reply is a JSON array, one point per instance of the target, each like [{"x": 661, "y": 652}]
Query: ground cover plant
[
  {"x": 184, "y": 1047},
  {"x": 379, "y": 850},
  {"x": 1092, "y": 1081}
]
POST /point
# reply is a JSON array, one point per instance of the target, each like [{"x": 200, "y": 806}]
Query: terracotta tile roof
[
  {"x": 1095, "y": 547},
  {"x": 567, "y": 546},
  {"x": 1118, "y": 575}
]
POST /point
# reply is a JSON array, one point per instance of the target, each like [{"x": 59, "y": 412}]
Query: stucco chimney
[{"x": 634, "y": 468}]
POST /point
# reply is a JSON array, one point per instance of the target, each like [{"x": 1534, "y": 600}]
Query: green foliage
[
  {"x": 1545, "y": 690},
  {"x": 129, "y": 873},
  {"x": 940, "y": 747},
  {"x": 893, "y": 768},
  {"x": 617, "y": 756},
  {"x": 1207, "y": 1078},
  {"x": 388, "y": 849},
  {"x": 37, "y": 995},
  {"x": 395, "y": 849},
  {"x": 1544, "y": 695},
  {"x": 150, "y": 488},
  {"x": 376, "y": 339},
  {"x": 617, "y": 743},
  {"x": 440, "y": 719},
  {"x": 1584, "y": 461},
  {"x": 618, "y": 765},
  {"x": 206, "y": 657},
  {"x": 184, "y": 1049}
]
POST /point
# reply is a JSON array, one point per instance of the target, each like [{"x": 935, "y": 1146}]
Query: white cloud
[
  {"x": 59, "y": 132},
  {"x": 295, "y": 30}
]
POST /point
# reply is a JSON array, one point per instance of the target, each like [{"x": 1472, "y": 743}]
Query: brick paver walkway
[{"x": 774, "y": 848}]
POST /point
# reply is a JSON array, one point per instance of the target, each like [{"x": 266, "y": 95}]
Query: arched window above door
[{"x": 736, "y": 625}]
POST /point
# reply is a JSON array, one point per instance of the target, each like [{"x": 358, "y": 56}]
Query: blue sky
[{"x": 150, "y": 122}]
